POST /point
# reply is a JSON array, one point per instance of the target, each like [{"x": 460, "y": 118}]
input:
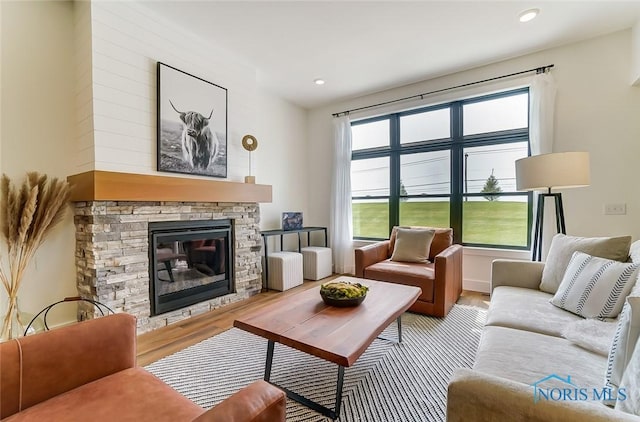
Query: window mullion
[
  {"x": 455, "y": 203},
  {"x": 394, "y": 166}
]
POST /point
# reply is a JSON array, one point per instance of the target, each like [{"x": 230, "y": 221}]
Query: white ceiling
[{"x": 360, "y": 47}]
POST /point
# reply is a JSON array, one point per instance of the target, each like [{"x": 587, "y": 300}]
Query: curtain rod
[{"x": 540, "y": 69}]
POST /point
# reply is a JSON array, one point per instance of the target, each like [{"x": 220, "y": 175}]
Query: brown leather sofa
[
  {"x": 440, "y": 280},
  {"x": 87, "y": 372}
]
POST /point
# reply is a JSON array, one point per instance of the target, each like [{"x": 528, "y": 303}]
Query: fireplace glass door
[{"x": 189, "y": 262}]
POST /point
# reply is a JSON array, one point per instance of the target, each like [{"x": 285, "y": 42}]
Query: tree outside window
[
  {"x": 403, "y": 192},
  {"x": 491, "y": 186}
]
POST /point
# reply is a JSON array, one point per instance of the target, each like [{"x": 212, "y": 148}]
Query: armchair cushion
[
  {"x": 130, "y": 395},
  {"x": 442, "y": 239},
  {"x": 412, "y": 245},
  {"x": 409, "y": 273}
]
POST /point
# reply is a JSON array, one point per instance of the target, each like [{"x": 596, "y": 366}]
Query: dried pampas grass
[{"x": 28, "y": 213}]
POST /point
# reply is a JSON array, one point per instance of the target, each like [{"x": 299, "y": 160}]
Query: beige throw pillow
[
  {"x": 412, "y": 245},
  {"x": 563, "y": 247}
]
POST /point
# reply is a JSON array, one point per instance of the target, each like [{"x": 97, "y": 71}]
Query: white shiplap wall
[
  {"x": 127, "y": 41},
  {"x": 84, "y": 151}
]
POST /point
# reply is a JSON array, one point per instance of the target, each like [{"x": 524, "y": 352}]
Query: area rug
[{"x": 390, "y": 382}]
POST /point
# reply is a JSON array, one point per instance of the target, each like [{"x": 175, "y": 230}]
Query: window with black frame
[{"x": 449, "y": 165}]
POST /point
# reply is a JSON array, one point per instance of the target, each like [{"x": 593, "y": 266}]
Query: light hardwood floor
[{"x": 167, "y": 340}]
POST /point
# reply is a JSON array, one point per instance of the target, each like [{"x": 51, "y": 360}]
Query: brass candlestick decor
[{"x": 250, "y": 143}]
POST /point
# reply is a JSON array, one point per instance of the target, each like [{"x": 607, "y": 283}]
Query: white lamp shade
[{"x": 557, "y": 170}]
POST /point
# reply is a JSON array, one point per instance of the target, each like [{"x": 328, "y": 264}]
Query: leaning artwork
[{"x": 192, "y": 124}]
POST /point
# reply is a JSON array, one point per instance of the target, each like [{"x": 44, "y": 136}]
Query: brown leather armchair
[
  {"x": 87, "y": 371},
  {"x": 440, "y": 280}
]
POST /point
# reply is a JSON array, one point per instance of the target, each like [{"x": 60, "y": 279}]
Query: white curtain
[
  {"x": 341, "y": 227},
  {"x": 542, "y": 98}
]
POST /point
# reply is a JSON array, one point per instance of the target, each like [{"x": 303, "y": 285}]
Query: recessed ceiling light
[
  {"x": 528, "y": 15},
  {"x": 318, "y": 81}
]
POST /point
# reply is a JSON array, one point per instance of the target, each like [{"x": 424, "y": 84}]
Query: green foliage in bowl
[{"x": 343, "y": 290}]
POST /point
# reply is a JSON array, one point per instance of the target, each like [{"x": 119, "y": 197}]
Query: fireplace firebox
[{"x": 189, "y": 262}]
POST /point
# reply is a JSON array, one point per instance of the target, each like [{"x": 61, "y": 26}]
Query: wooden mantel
[{"x": 98, "y": 185}]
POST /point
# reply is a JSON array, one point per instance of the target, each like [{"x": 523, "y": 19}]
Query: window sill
[
  {"x": 472, "y": 251},
  {"x": 359, "y": 243},
  {"x": 496, "y": 252}
]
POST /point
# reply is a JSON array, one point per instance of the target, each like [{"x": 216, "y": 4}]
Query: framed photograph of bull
[{"x": 192, "y": 124}]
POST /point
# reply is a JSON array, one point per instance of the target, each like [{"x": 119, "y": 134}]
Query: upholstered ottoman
[
  {"x": 285, "y": 270},
  {"x": 316, "y": 262}
]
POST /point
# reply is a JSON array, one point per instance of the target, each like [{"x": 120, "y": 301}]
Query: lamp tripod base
[{"x": 539, "y": 224}]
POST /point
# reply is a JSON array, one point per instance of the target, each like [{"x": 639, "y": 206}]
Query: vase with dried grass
[{"x": 28, "y": 214}]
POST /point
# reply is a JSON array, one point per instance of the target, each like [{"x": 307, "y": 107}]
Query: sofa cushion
[
  {"x": 528, "y": 357},
  {"x": 591, "y": 334},
  {"x": 563, "y": 246},
  {"x": 527, "y": 309},
  {"x": 595, "y": 287},
  {"x": 624, "y": 343},
  {"x": 442, "y": 239},
  {"x": 412, "y": 245},
  {"x": 408, "y": 273},
  {"x": 129, "y": 395}
]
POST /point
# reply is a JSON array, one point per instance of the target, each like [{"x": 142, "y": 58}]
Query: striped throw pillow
[
  {"x": 595, "y": 287},
  {"x": 622, "y": 347}
]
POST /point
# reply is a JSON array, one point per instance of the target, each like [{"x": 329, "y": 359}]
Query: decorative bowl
[{"x": 343, "y": 294}]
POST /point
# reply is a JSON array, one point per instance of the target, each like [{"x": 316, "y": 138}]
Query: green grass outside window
[{"x": 484, "y": 222}]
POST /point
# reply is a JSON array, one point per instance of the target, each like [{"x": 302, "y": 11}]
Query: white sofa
[{"x": 521, "y": 344}]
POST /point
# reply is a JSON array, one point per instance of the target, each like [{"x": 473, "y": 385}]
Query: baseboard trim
[{"x": 476, "y": 285}]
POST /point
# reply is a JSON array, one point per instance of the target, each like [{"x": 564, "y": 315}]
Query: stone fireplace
[{"x": 116, "y": 264}]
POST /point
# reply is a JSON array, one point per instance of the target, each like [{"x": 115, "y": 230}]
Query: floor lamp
[{"x": 549, "y": 171}]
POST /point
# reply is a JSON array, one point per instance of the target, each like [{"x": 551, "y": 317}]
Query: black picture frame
[{"x": 191, "y": 124}]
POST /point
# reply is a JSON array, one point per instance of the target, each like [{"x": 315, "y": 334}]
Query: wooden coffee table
[{"x": 339, "y": 335}]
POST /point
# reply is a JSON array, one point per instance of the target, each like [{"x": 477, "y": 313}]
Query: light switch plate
[{"x": 615, "y": 209}]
